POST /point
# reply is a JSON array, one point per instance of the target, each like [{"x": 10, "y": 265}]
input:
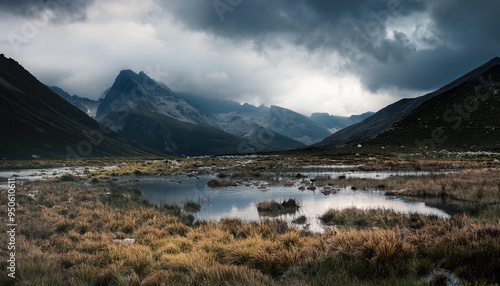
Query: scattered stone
[
  {"x": 402, "y": 192},
  {"x": 263, "y": 187},
  {"x": 305, "y": 181},
  {"x": 127, "y": 241},
  {"x": 216, "y": 183},
  {"x": 311, "y": 188},
  {"x": 442, "y": 277},
  {"x": 328, "y": 191},
  {"x": 300, "y": 220}
]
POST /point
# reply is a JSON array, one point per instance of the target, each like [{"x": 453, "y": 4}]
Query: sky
[{"x": 342, "y": 57}]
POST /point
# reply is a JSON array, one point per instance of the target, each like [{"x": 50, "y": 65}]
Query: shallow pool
[{"x": 241, "y": 201}]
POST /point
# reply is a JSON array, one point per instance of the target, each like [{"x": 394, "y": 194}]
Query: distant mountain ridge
[
  {"x": 150, "y": 113},
  {"x": 257, "y": 128},
  {"x": 246, "y": 119},
  {"x": 335, "y": 123},
  {"x": 86, "y": 105},
  {"x": 402, "y": 122},
  {"x": 36, "y": 122}
]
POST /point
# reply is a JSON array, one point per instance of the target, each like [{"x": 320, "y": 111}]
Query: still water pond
[{"x": 241, "y": 202}]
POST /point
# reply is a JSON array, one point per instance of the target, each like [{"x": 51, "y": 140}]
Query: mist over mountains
[
  {"x": 150, "y": 113},
  {"x": 138, "y": 116},
  {"x": 86, "y": 105}
]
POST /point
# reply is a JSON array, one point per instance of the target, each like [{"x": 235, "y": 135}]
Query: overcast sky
[{"x": 342, "y": 57}]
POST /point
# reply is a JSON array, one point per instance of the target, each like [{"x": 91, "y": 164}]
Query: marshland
[{"x": 256, "y": 220}]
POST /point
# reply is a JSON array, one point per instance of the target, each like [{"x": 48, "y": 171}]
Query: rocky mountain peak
[
  {"x": 130, "y": 77},
  {"x": 130, "y": 86}
]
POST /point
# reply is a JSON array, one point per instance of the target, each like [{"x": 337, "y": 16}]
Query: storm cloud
[
  {"x": 444, "y": 38},
  {"x": 59, "y": 11},
  {"x": 341, "y": 57}
]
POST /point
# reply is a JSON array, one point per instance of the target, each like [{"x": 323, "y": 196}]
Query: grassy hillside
[{"x": 463, "y": 118}]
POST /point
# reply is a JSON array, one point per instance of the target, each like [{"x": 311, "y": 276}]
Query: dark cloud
[
  {"x": 310, "y": 23},
  {"x": 458, "y": 34},
  {"x": 59, "y": 11},
  {"x": 467, "y": 36},
  {"x": 245, "y": 19},
  {"x": 259, "y": 51}
]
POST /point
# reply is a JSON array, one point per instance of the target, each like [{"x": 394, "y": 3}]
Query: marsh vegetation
[
  {"x": 75, "y": 233},
  {"x": 273, "y": 208}
]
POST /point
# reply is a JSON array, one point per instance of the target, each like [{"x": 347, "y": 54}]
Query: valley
[
  {"x": 248, "y": 143},
  {"x": 147, "y": 186}
]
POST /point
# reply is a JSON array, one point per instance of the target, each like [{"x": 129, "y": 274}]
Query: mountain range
[
  {"x": 138, "y": 116},
  {"x": 148, "y": 112},
  {"x": 248, "y": 120}
]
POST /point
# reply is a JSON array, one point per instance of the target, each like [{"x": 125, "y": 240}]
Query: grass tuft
[
  {"x": 217, "y": 183},
  {"x": 274, "y": 208}
]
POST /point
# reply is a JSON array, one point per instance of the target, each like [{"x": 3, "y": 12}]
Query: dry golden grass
[
  {"x": 66, "y": 237},
  {"x": 474, "y": 185},
  {"x": 479, "y": 185}
]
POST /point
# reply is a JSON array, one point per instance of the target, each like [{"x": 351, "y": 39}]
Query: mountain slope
[
  {"x": 464, "y": 117},
  {"x": 295, "y": 125},
  {"x": 86, "y": 105},
  {"x": 166, "y": 134},
  {"x": 210, "y": 105},
  {"x": 388, "y": 116},
  {"x": 131, "y": 87},
  {"x": 36, "y": 121}
]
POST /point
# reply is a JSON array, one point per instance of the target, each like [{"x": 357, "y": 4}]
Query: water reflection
[
  {"x": 241, "y": 201},
  {"x": 377, "y": 175}
]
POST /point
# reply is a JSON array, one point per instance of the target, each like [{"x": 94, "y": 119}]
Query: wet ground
[{"x": 241, "y": 201}]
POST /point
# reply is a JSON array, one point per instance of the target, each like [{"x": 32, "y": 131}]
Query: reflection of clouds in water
[
  {"x": 250, "y": 212},
  {"x": 230, "y": 203},
  {"x": 370, "y": 200},
  {"x": 241, "y": 202}
]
